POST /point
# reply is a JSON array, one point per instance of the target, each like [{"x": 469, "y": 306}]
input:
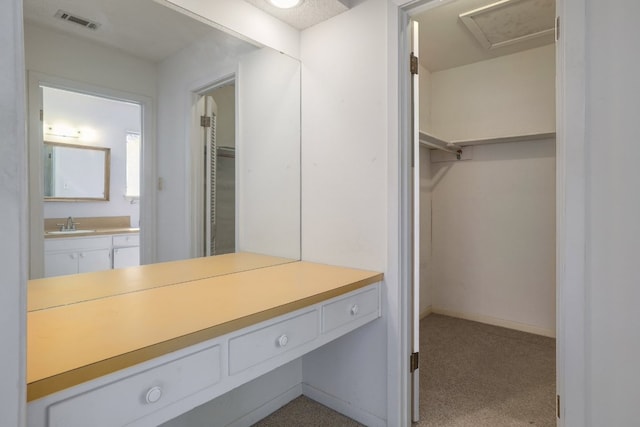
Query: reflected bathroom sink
[{"x": 70, "y": 231}]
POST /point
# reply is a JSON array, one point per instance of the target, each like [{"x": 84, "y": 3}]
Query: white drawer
[
  {"x": 349, "y": 309},
  {"x": 126, "y": 240},
  {"x": 131, "y": 398},
  {"x": 254, "y": 347},
  {"x": 77, "y": 243}
]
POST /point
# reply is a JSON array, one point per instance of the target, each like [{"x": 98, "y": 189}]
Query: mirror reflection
[
  {"x": 75, "y": 172},
  {"x": 221, "y": 181}
]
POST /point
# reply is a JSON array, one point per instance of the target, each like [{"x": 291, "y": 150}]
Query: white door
[{"x": 415, "y": 187}]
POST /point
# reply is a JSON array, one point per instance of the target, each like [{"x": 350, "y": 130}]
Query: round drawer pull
[
  {"x": 153, "y": 395},
  {"x": 354, "y": 309},
  {"x": 283, "y": 340}
]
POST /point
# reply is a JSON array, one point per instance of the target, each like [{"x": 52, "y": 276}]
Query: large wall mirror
[
  {"x": 175, "y": 62},
  {"x": 75, "y": 172}
]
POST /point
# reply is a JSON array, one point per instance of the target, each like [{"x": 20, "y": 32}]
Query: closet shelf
[
  {"x": 452, "y": 146},
  {"x": 439, "y": 144}
]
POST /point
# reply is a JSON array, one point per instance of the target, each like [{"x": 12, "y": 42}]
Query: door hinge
[
  {"x": 413, "y": 63},
  {"x": 557, "y": 28},
  {"x": 558, "y": 405},
  {"x": 41, "y": 115},
  {"x": 205, "y": 121},
  {"x": 414, "y": 361}
]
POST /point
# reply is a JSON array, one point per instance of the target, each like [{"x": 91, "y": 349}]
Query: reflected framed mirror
[{"x": 75, "y": 173}]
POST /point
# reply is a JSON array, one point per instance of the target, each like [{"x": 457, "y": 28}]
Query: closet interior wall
[{"x": 488, "y": 223}]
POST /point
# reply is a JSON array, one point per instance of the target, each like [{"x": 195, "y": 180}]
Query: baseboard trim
[
  {"x": 267, "y": 408},
  {"x": 345, "y": 408},
  {"x": 495, "y": 321},
  {"x": 427, "y": 311}
]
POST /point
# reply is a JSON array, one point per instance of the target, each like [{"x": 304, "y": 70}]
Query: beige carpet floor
[{"x": 471, "y": 375}]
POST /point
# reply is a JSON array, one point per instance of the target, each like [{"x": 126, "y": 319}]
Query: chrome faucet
[{"x": 68, "y": 225}]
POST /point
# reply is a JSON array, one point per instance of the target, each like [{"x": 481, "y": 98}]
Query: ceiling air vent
[
  {"x": 87, "y": 23},
  {"x": 511, "y": 21}
]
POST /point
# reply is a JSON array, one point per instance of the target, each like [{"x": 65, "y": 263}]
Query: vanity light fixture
[
  {"x": 62, "y": 132},
  {"x": 285, "y": 4}
]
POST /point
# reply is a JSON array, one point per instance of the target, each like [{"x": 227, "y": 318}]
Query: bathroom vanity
[
  {"x": 144, "y": 355},
  {"x": 100, "y": 243}
]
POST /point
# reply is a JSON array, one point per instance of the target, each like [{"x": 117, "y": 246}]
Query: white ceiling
[
  {"x": 142, "y": 28},
  {"x": 307, "y": 14},
  {"x": 445, "y": 42},
  {"x": 152, "y": 31}
]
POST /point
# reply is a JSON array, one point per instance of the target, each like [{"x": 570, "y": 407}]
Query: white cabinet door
[
  {"x": 126, "y": 257},
  {"x": 72, "y": 255},
  {"x": 98, "y": 260},
  {"x": 60, "y": 264}
]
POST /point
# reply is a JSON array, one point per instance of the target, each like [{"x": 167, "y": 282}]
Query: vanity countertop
[
  {"x": 93, "y": 232},
  {"x": 89, "y": 226},
  {"x": 62, "y": 290},
  {"x": 71, "y": 344}
]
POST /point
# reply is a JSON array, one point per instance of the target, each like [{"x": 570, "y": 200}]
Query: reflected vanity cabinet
[
  {"x": 126, "y": 250},
  {"x": 73, "y": 255}
]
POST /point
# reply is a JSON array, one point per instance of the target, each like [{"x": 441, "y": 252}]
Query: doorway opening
[
  {"x": 487, "y": 208},
  {"x": 214, "y": 170},
  {"x": 86, "y": 160}
]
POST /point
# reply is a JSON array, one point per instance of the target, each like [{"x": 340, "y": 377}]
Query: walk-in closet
[{"x": 487, "y": 208}]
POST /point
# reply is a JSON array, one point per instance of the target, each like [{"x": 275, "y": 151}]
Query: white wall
[
  {"x": 105, "y": 123},
  {"x": 613, "y": 209},
  {"x": 466, "y": 105},
  {"x": 491, "y": 254},
  {"x": 344, "y": 140},
  {"x": 60, "y": 55},
  {"x": 179, "y": 76},
  {"x": 13, "y": 217},
  {"x": 493, "y": 243},
  {"x": 268, "y": 144},
  {"x": 344, "y": 194}
]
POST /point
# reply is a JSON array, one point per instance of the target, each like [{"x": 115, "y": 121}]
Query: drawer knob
[
  {"x": 153, "y": 395},
  {"x": 283, "y": 340},
  {"x": 354, "y": 309}
]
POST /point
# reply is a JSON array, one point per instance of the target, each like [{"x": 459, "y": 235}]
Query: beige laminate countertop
[
  {"x": 63, "y": 290},
  {"x": 96, "y": 232},
  {"x": 71, "y": 344}
]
